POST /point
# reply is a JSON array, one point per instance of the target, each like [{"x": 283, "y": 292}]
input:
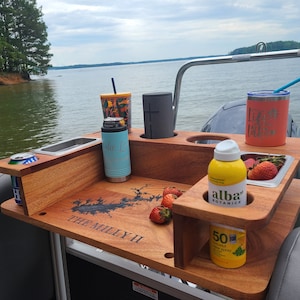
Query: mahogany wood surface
[
  {"x": 123, "y": 227},
  {"x": 115, "y": 216}
]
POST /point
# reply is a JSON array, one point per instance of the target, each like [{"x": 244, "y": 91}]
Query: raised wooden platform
[{"x": 69, "y": 195}]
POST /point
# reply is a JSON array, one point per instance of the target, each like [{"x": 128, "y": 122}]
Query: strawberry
[
  {"x": 277, "y": 160},
  {"x": 160, "y": 215},
  {"x": 168, "y": 200},
  {"x": 250, "y": 162},
  {"x": 172, "y": 190},
  {"x": 263, "y": 171}
]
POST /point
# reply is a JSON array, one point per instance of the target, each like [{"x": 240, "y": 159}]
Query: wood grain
[
  {"x": 127, "y": 231},
  {"x": 69, "y": 195}
]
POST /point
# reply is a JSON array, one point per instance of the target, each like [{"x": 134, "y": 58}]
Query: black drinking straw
[{"x": 113, "y": 84}]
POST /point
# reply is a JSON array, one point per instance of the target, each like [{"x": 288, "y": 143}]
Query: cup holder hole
[
  {"x": 154, "y": 138},
  {"x": 206, "y": 139}
]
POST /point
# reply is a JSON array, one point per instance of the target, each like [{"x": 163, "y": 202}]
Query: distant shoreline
[
  {"x": 16, "y": 78},
  {"x": 270, "y": 46},
  {"x": 127, "y": 63}
]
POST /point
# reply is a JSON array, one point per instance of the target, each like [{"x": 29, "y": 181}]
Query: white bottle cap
[{"x": 227, "y": 150}]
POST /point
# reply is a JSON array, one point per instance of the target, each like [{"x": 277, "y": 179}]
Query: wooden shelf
[{"x": 251, "y": 280}]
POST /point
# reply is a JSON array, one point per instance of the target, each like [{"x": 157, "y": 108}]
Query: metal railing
[{"x": 222, "y": 60}]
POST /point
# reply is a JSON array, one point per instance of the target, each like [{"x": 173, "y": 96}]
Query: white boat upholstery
[{"x": 285, "y": 281}]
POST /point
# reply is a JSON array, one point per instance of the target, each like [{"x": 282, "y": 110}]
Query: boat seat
[
  {"x": 25, "y": 256},
  {"x": 231, "y": 118},
  {"x": 285, "y": 279}
]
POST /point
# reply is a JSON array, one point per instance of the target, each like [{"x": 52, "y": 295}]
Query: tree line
[
  {"x": 271, "y": 46},
  {"x": 24, "y": 46}
]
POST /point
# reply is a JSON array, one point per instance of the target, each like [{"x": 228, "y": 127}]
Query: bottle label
[
  {"x": 229, "y": 195},
  {"x": 227, "y": 246}
]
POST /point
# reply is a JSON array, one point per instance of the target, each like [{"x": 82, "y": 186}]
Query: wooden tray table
[{"x": 70, "y": 196}]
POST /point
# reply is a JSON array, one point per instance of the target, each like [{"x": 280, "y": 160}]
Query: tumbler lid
[
  {"x": 114, "y": 124},
  {"x": 227, "y": 150},
  {"x": 268, "y": 95}
]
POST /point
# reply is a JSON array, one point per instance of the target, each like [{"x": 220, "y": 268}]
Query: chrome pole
[
  {"x": 59, "y": 267},
  {"x": 222, "y": 60}
]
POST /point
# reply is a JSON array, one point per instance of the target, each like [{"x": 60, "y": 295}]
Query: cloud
[{"x": 105, "y": 31}]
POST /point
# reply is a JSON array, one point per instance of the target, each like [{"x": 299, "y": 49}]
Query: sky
[{"x": 102, "y": 31}]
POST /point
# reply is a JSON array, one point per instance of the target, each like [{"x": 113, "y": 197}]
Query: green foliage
[
  {"x": 271, "y": 46},
  {"x": 23, "y": 38}
]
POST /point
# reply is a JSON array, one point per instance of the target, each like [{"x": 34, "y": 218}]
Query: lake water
[{"x": 66, "y": 103}]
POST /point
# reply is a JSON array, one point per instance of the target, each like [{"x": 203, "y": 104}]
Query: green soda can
[{"x": 20, "y": 159}]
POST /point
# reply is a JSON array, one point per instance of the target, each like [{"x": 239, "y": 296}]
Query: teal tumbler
[{"x": 115, "y": 149}]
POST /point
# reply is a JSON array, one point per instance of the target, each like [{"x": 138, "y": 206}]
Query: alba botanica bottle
[{"x": 227, "y": 175}]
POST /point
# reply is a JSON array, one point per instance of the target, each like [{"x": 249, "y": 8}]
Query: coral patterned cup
[
  {"x": 267, "y": 118},
  {"x": 117, "y": 105}
]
